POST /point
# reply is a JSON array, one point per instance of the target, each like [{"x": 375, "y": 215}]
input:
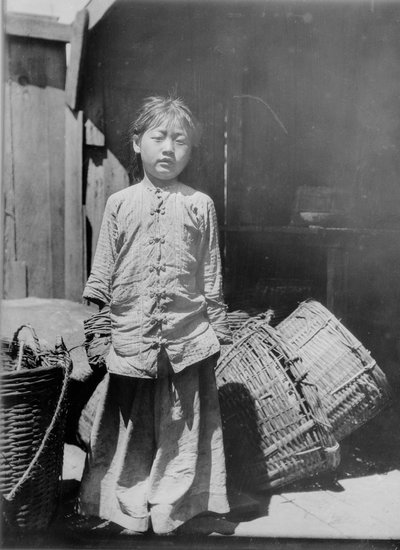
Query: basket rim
[{"x": 63, "y": 363}]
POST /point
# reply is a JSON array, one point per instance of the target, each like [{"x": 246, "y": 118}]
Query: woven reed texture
[
  {"x": 240, "y": 320},
  {"x": 352, "y": 387},
  {"x": 236, "y": 319},
  {"x": 32, "y": 416},
  {"x": 275, "y": 431}
]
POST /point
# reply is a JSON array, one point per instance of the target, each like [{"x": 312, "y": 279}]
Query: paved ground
[{"x": 357, "y": 507}]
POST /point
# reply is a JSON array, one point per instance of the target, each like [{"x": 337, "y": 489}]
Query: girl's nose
[{"x": 168, "y": 145}]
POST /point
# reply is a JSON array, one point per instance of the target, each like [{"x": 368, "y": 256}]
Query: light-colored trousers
[{"x": 156, "y": 453}]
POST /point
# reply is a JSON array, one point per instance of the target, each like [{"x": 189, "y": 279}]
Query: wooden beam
[
  {"x": 97, "y": 9},
  {"x": 34, "y": 26},
  {"x": 74, "y": 235},
  {"x": 74, "y": 71}
]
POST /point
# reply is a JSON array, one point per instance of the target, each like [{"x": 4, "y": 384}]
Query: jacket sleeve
[
  {"x": 98, "y": 286},
  {"x": 209, "y": 276}
]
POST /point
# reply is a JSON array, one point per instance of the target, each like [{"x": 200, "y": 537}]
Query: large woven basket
[
  {"x": 275, "y": 431},
  {"x": 32, "y": 416},
  {"x": 352, "y": 387}
]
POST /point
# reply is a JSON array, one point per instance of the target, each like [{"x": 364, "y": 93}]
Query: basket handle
[
  {"x": 16, "y": 344},
  {"x": 11, "y": 495}
]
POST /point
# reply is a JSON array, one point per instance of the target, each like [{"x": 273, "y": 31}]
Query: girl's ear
[{"x": 136, "y": 143}]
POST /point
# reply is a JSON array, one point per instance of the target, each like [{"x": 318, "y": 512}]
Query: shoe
[{"x": 130, "y": 533}]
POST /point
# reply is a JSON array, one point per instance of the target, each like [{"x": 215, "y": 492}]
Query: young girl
[{"x": 156, "y": 456}]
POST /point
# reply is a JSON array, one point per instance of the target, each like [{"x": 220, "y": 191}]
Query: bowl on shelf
[{"x": 319, "y": 205}]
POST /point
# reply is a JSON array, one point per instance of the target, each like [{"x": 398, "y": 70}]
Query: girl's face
[{"x": 165, "y": 151}]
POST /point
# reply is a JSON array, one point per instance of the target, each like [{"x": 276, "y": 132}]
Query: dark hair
[{"x": 154, "y": 111}]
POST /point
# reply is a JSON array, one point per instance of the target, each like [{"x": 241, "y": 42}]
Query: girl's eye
[{"x": 181, "y": 141}]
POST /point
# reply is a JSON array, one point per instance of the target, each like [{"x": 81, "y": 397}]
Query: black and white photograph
[{"x": 200, "y": 303}]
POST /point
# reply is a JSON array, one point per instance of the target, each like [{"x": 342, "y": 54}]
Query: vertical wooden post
[
  {"x": 74, "y": 235},
  {"x": 78, "y": 44},
  {"x": 75, "y": 264}
]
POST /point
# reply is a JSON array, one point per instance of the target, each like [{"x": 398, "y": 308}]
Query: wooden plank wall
[{"x": 34, "y": 168}]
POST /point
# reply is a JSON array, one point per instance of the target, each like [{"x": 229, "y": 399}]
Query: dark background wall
[{"x": 331, "y": 73}]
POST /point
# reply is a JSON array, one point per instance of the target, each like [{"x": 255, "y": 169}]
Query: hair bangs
[{"x": 159, "y": 111}]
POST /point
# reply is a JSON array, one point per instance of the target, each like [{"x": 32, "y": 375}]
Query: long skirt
[{"x": 156, "y": 454}]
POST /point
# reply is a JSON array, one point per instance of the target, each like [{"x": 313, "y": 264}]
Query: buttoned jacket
[{"x": 157, "y": 265}]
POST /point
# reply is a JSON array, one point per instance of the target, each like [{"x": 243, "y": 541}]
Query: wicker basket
[
  {"x": 239, "y": 320},
  {"x": 236, "y": 319},
  {"x": 351, "y": 385},
  {"x": 32, "y": 416},
  {"x": 275, "y": 430}
]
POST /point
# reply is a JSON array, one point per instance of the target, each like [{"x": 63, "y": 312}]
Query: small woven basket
[
  {"x": 275, "y": 430},
  {"x": 352, "y": 387},
  {"x": 33, "y": 386}
]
